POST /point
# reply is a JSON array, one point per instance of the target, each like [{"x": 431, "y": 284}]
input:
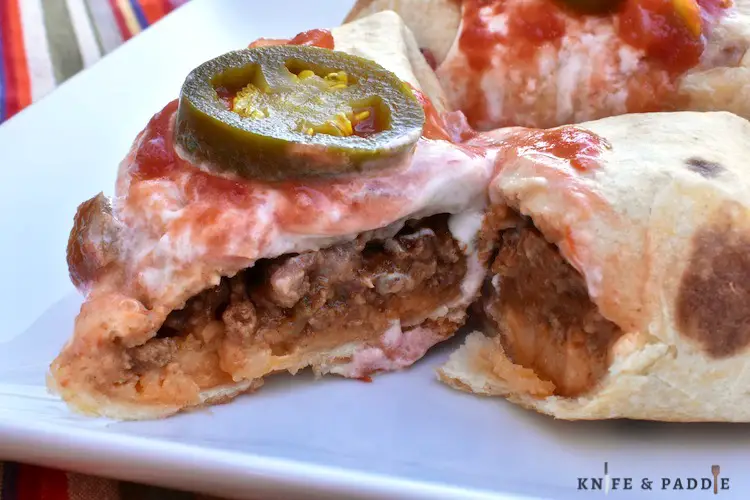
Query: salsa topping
[
  {"x": 644, "y": 44},
  {"x": 451, "y": 126},
  {"x": 670, "y": 31},
  {"x": 580, "y": 147},
  {"x": 316, "y": 38}
]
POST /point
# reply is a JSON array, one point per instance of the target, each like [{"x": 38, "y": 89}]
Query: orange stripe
[
  {"x": 18, "y": 65},
  {"x": 153, "y": 9}
]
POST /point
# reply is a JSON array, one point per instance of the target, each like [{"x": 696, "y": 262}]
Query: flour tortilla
[
  {"x": 384, "y": 38},
  {"x": 558, "y": 90},
  {"x": 434, "y": 23},
  {"x": 660, "y": 231},
  {"x": 150, "y": 218}
]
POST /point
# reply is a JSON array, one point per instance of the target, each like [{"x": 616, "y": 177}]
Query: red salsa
[
  {"x": 536, "y": 22},
  {"x": 529, "y": 24},
  {"x": 656, "y": 27},
  {"x": 156, "y": 158},
  {"x": 476, "y": 40},
  {"x": 578, "y": 146},
  {"x": 451, "y": 127},
  {"x": 317, "y": 38}
]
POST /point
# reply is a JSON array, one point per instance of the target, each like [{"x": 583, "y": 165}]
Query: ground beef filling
[
  {"x": 310, "y": 301},
  {"x": 547, "y": 322}
]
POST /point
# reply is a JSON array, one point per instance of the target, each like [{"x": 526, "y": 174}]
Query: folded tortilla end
[{"x": 621, "y": 291}]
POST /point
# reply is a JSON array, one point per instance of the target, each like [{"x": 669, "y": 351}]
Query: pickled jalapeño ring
[{"x": 296, "y": 112}]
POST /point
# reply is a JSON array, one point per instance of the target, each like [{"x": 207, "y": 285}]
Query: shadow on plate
[{"x": 26, "y": 357}]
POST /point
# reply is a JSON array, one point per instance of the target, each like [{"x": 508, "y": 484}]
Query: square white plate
[{"x": 405, "y": 436}]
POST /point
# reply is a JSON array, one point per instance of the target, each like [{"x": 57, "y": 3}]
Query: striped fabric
[
  {"x": 45, "y": 42},
  {"x": 42, "y": 44},
  {"x": 28, "y": 482}
]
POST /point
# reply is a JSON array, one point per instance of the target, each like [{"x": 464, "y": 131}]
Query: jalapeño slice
[{"x": 295, "y": 112}]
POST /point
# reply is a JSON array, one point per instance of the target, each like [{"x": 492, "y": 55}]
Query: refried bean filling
[
  {"x": 542, "y": 310},
  {"x": 310, "y": 301}
]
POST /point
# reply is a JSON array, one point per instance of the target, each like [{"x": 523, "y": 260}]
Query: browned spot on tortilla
[
  {"x": 713, "y": 303},
  {"x": 708, "y": 169}
]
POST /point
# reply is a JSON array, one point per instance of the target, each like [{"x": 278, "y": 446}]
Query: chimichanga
[
  {"x": 246, "y": 238},
  {"x": 544, "y": 63},
  {"x": 620, "y": 287}
]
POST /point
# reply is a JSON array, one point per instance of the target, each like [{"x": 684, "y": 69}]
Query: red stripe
[
  {"x": 153, "y": 9},
  {"x": 166, "y": 5},
  {"x": 120, "y": 19},
  {"x": 55, "y": 485},
  {"x": 29, "y": 482},
  {"x": 18, "y": 96},
  {"x": 40, "y": 483}
]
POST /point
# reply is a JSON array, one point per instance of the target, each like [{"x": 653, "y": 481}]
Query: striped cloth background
[
  {"x": 28, "y": 482},
  {"x": 45, "y": 42},
  {"x": 42, "y": 44}
]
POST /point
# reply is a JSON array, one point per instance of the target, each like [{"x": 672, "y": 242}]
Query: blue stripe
[
  {"x": 138, "y": 10},
  {"x": 10, "y": 478},
  {"x": 3, "y": 82}
]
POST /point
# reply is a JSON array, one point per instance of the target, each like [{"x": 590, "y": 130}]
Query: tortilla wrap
[
  {"x": 385, "y": 38},
  {"x": 589, "y": 73},
  {"x": 655, "y": 232},
  {"x": 434, "y": 23},
  {"x": 180, "y": 243}
]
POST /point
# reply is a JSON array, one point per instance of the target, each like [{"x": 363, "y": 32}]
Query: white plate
[{"x": 405, "y": 436}]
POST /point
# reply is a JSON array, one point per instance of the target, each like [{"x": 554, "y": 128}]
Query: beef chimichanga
[
  {"x": 544, "y": 63},
  {"x": 298, "y": 207},
  {"x": 620, "y": 284}
]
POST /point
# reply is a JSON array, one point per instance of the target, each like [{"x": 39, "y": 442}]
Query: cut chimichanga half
[
  {"x": 544, "y": 63},
  {"x": 620, "y": 284},
  {"x": 299, "y": 207}
]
